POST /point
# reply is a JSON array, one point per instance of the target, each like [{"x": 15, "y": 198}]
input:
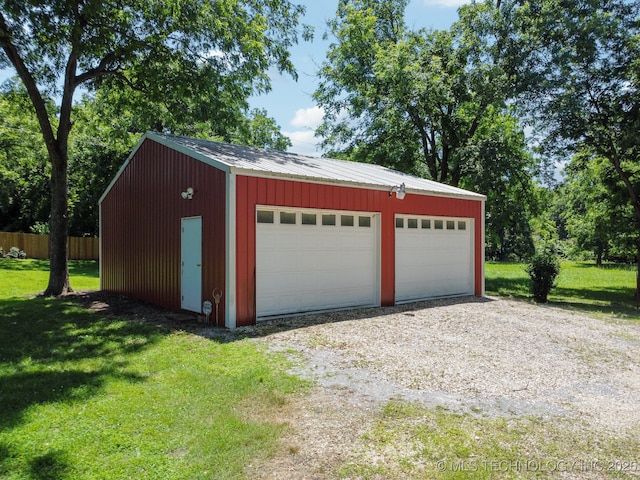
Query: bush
[
  {"x": 543, "y": 270},
  {"x": 14, "y": 252}
]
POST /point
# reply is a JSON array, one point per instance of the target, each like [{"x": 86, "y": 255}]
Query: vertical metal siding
[
  {"x": 252, "y": 191},
  {"x": 141, "y": 226}
]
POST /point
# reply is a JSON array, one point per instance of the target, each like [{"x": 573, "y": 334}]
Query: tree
[
  {"x": 23, "y": 162},
  {"x": 260, "y": 130},
  {"x": 432, "y": 103},
  {"x": 595, "y": 213},
  {"x": 587, "y": 93},
  {"x": 212, "y": 54}
]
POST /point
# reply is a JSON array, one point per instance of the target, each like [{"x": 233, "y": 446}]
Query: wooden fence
[{"x": 37, "y": 246}]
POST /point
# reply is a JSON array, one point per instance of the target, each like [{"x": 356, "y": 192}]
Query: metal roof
[{"x": 250, "y": 160}]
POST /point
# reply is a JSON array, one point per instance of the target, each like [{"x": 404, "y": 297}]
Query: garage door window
[
  {"x": 328, "y": 219},
  {"x": 364, "y": 221},
  {"x": 265, "y": 216},
  {"x": 346, "y": 220},
  {"x": 287, "y": 218},
  {"x": 308, "y": 218},
  {"x": 448, "y": 224}
]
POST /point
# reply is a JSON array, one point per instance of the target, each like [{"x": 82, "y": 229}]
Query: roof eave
[{"x": 347, "y": 183}]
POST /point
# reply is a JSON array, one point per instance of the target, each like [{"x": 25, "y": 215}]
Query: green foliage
[
  {"x": 428, "y": 103},
  {"x": 583, "y": 92},
  {"x": 259, "y": 130},
  {"x": 23, "y": 162},
  {"x": 212, "y": 55},
  {"x": 101, "y": 143},
  {"x": 594, "y": 210},
  {"x": 543, "y": 269}
]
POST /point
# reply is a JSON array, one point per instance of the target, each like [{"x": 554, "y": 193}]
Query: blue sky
[{"x": 290, "y": 102}]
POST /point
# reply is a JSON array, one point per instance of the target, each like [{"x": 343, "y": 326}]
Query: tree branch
[
  {"x": 99, "y": 71},
  {"x": 30, "y": 84}
]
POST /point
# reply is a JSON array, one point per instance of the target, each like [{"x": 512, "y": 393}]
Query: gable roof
[{"x": 272, "y": 163}]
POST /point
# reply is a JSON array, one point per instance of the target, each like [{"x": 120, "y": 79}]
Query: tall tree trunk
[{"x": 58, "y": 230}]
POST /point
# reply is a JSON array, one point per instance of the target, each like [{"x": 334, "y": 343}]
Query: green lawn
[
  {"x": 606, "y": 290},
  {"x": 87, "y": 397}
]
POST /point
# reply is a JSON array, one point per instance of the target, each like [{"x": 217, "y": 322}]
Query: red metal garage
[{"x": 273, "y": 233}]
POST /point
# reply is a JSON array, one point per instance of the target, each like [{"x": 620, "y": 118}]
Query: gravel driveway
[{"x": 489, "y": 357}]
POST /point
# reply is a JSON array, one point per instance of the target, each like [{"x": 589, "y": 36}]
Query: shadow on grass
[
  {"x": 617, "y": 301},
  {"x": 508, "y": 286},
  {"x": 606, "y": 266},
  {"x": 53, "y": 351},
  {"x": 77, "y": 268},
  {"x": 24, "y": 265},
  {"x": 50, "y": 466}
]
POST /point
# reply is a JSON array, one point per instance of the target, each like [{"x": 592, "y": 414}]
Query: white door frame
[{"x": 191, "y": 264}]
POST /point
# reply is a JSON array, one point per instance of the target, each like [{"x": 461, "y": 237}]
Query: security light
[
  {"x": 399, "y": 190},
  {"x": 188, "y": 194}
]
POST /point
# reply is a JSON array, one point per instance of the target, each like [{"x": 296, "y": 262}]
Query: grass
[
  {"x": 602, "y": 291},
  {"x": 87, "y": 397},
  {"x": 439, "y": 444}
]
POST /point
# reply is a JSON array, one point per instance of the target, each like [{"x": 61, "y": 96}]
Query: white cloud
[
  {"x": 303, "y": 142},
  {"x": 305, "y": 121},
  {"x": 446, "y": 3},
  {"x": 308, "y": 117}
]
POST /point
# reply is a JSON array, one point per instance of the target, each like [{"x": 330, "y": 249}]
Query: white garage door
[
  {"x": 434, "y": 257},
  {"x": 308, "y": 260}
]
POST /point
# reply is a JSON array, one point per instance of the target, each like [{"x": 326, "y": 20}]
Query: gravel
[{"x": 483, "y": 356}]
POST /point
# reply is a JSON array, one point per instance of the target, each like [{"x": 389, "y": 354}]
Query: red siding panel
[
  {"x": 252, "y": 191},
  {"x": 141, "y": 226}
]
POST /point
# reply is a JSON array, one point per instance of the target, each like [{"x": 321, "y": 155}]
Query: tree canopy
[
  {"x": 586, "y": 96},
  {"x": 429, "y": 103},
  {"x": 197, "y": 60}
]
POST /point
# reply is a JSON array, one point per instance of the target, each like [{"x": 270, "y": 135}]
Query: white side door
[{"x": 191, "y": 264}]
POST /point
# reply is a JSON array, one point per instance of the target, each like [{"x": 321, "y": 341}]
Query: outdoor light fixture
[
  {"x": 188, "y": 195},
  {"x": 400, "y": 191}
]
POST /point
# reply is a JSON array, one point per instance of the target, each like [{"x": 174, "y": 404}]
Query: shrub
[
  {"x": 543, "y": 270},
  {"x": 15, "y": 252}
]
